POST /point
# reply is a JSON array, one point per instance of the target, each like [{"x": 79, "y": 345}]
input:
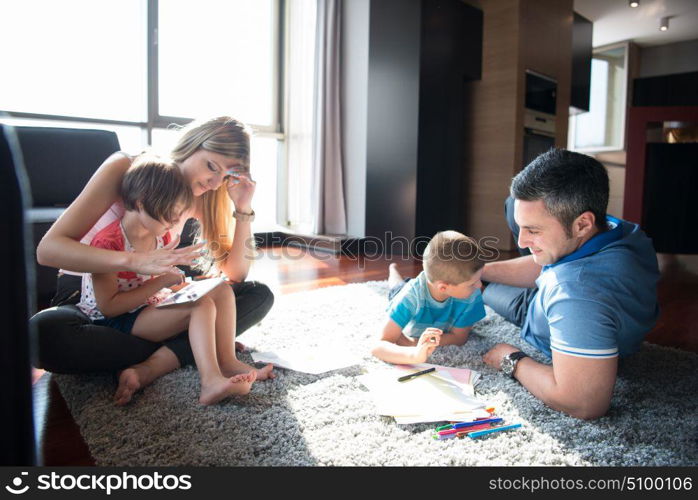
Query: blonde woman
[{"x": 214, "y": 158}]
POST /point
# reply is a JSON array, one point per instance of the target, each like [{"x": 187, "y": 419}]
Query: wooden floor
[{"x": 289, "y": 270}]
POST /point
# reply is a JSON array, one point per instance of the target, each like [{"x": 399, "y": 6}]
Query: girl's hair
[
  {"x": 229, "y": 137},
  {"x": 157, "y": 184}
]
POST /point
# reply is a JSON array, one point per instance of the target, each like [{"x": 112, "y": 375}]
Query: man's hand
[
  {"x": 427, "y": 343},
  {"x": 494, "y": 356}
]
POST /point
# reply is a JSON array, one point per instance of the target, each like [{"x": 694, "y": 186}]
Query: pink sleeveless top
[{"x": 116, "y": 212}]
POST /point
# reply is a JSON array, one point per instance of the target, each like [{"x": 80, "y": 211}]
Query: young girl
[{"x": 155, "y": 195}]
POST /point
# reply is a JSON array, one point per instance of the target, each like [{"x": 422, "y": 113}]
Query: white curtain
[
  {"x": 329, "y": 215},
  {"x": 300, "y": 74}
]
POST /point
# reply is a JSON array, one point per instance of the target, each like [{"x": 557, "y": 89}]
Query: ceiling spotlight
[
  {"x": 634, "y": 3},
  {"x": 664, "y": 24}
]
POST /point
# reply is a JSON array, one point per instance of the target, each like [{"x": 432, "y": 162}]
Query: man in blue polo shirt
[{"x": 586, "y": 293}]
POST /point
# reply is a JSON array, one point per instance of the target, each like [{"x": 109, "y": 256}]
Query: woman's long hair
[{"x": 231, "y": 138}]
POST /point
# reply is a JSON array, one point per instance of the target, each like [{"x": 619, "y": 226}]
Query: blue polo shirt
[
  {"x": 599, "y": 301},
  {"x": 415, "y": 310}
]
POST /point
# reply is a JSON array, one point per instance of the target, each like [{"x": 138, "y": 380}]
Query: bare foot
[
  {"x": 219, "y": 389},
  {"x": 394, "y": 276},
  {"x": 266, "y": 372},
  {"x": 240, "y": 367},
  {"x": 129, "y": 383}
]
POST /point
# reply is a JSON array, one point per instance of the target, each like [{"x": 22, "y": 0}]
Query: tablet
[{"x": 192, "y": 292}]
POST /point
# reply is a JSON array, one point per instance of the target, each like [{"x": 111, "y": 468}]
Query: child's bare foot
[
  {"x": 219, "y": 389},
  {"x": 129, "y": 383},
  {"x": 266, "y": 372},
  {"x": 394, "y": 276},
  {"x": 239, "y": 367}
]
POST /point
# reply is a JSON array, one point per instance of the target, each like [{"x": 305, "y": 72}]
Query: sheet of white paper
[
  {"x": 467, "y": 389},
  {"x": 462, "y": 375},
  {"x": 419, "y": 396},
  {"x": 309, "y": 360},
  {"x": 452, "y": 417},
  {"x": 465, "y": 377}
]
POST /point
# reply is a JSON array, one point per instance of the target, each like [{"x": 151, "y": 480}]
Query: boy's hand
[{"x": 427, "y": 343}]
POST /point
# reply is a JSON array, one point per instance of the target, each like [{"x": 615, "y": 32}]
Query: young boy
[
  {"x": 155, "y": 196},
  {"x": 436, "y": 308}
]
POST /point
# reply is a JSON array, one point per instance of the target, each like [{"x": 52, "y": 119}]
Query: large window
[
  {"x": 231, "y": 56},
  {"x": 74, "y": 58},
  {"x": 87, "y": 63},
  {"x": 602, "y": 128}
]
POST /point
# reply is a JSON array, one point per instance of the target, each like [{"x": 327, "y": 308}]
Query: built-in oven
[
  {"x": 539, "y": 115},
  {"x": 539, "y": 135}
]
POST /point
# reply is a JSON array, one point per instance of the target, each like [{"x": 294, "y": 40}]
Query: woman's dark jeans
[{"x": 68, "y": 342}]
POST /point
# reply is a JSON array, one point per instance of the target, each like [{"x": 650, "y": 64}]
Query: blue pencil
[
  {"x": 477, "y": 434},
  {"x": 461, "y": 425}
]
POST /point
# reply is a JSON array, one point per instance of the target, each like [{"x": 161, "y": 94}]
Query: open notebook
[{"x": 192, "y": 292}]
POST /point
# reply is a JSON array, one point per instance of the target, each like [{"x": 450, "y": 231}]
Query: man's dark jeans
[{"x": 510, "y": 302}]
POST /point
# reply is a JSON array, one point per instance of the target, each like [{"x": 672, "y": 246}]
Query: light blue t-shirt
[
  {"x": 599, "y": 301},
  {"x": 415, "y": 310}
]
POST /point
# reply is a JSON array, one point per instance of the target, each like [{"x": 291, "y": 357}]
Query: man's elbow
[{"x": 590, "y": 411}]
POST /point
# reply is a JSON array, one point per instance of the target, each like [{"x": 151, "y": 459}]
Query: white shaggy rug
[{"x": 300, "y": 419}]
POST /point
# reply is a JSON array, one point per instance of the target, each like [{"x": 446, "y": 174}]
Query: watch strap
[
  {"x": 243, "y": 217},
  {"x": 514, "y": 357}
]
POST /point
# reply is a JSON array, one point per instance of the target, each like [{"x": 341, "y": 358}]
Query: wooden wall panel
[
  {"x": 517, "y": 35},
  {"x": 491, "y": 126},
  {"x": 546, "y": 38}
]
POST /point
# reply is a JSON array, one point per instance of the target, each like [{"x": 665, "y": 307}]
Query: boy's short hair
[
  {"x": 452, "y": 257},
  {"x": 156, "y": 183}
]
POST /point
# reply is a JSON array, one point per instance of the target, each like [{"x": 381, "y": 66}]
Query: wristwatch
[
  {"x": 510, "y": 361},
  {"x": 243, "y": 217}
]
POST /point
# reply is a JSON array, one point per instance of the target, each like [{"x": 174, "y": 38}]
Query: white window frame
[
  {"x": 620, "y": 146},
  {"x": 156, "y": 121}
]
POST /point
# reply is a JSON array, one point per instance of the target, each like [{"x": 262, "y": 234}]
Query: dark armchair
[{"x": 59, "y": 162}]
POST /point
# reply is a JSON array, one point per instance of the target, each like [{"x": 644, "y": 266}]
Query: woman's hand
[
  {"x": 241, "y": 189},
  {"x": 165, "y": 259}
]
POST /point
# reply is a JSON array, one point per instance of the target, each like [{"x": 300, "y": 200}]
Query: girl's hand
[
  {"x": 241, "y": 189},
  {"x": 165, "y": 259},
  {"x": 177, "y": 288},
  {"x": 172, "y": 279}
]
